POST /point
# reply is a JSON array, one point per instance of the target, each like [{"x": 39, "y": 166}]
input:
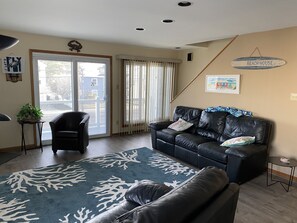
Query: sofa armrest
[
  {"x": 246, "y": 162},
  {"x": 156, "y": 126},
  {"x": 159, "y": 125},
  {"x": 246, "y": 150}
]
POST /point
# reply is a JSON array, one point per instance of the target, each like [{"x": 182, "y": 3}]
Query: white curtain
[{"x": 148, "y": 88}]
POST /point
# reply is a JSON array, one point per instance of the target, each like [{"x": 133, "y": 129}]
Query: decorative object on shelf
[
  {"x": 13, "y": 67},
  {"x": 257, "y": 62},
  {"x": 228, "y": 84},
  {"x": 75, "y": 45},
  {"x": 4, "y": 117},
  {"x": 285, "y": 160},
  {"x": 7, "y": 42},
  {"x": 29, "y": 112}
]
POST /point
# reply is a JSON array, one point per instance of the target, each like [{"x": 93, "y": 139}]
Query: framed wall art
[
  {"x": 228, "y": 84},
  {"x": 13, "y": 65}
]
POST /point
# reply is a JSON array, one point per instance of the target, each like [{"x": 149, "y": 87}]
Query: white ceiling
[{"x": 116, "y": 20}]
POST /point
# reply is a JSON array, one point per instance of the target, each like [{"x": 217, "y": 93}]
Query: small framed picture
[
  {"x": 13, "y": 65},
  {"x": 228, "y": 84}
]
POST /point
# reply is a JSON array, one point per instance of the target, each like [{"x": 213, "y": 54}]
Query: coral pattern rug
[{"x": 80, "y": 190}]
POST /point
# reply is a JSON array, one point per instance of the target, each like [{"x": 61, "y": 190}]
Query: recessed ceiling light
[
  {"x": 140, "y": 29},
  {"x": 184, "y": 4},
  {"x": 167, "y": 21}
]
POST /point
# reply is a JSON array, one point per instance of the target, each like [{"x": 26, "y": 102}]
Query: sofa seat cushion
[
  {"x": 190, "y": 141},
  {"x": 67, "y": 134},
  {"x": 214, "y": 151},
  {"x": 167, "y": 135}
]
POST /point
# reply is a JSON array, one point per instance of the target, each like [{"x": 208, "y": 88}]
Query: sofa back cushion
[
  {"x": 188, "y": 114},
  {"x": 212, "y": 124},
  {"x": 179, "y": 204},
  {"x": 246, "y": 126}
]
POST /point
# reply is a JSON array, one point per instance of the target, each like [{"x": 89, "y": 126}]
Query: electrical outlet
[{"x": 293, "y": 97}]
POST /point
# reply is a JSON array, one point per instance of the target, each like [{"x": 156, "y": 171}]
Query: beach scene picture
[{"x": 228, "y": 84}]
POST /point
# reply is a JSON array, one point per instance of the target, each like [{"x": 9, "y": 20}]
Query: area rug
[
  {"x": 80, "y": 190},
  {"x": 6, "y": 156}
]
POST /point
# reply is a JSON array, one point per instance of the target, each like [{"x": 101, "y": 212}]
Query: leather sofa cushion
[
  {"x": 212, "y": 124},
  {"x": 159, "y": 125},
  {"x": 70, "y": 121},
  {"x": 208, "y": 134},
  {"x": 146, "y": 191},
  {"x": 67, "y": 134},
  {"x": 188, "y": 114},
  {"x": 190, "y": 141},
  {"x": 167, "y": 135},
  {"x": 214, "y": 151},
  {"x": 178, "y": 205},
  {"x": 246, "y": 126}
]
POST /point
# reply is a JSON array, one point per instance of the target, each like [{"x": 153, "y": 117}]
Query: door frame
[{"x": 82, "y": 55}]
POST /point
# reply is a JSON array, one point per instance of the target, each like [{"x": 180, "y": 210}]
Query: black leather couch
[
  {"x": 200, "y": 145},
  {"x": 207, "y": 197}
]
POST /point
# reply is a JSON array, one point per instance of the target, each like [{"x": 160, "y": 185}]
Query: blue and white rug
[{"x": 80, "y": 190}]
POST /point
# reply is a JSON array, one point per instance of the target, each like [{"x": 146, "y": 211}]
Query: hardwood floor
[
  {"x": 257, "y": 202},
  {"x": 97, "y": 147}
]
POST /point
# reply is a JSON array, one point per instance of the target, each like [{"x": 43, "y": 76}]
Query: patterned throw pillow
[
  {"x": 239, "y": 141},
  {"x": 180, "y": 125}
]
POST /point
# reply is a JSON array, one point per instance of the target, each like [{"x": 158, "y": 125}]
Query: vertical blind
[{"x": 148, "y": 88}]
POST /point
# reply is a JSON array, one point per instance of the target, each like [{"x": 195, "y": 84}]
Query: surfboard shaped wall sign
[{"x": 257, "y": 63}]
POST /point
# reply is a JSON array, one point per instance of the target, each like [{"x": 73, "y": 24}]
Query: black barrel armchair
[{"x": 70, "y": 131}]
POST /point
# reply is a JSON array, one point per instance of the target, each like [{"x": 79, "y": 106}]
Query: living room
[{"x": 268, "y": 93}]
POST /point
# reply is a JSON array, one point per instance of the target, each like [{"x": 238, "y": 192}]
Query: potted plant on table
[{"x": 29, "y": 113}]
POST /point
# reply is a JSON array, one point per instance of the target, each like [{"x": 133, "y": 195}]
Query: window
[{"x": 148, "y": 90}]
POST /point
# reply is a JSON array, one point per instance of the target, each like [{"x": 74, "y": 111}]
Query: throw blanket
[{"x": 233, "y": 111}]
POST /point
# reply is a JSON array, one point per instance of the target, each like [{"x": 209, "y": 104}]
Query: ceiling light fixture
[
  {"x": 167, "y": 21},
  {"x": 140, "y": 29},
  {"x": 184, "y": 4},
  {"x": 4, "y": 117},
  {"x": 7, "y": 42}
]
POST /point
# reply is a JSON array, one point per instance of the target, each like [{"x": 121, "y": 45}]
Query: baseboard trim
[
  {"x": 282, "y": 175},
  {"x": 17, "y": 148}
]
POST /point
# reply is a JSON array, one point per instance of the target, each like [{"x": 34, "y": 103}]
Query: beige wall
[
  {"x": 264, "y": 92},
  {"x": 201, "y": 57},
  {"x": 13, "y": 95}
]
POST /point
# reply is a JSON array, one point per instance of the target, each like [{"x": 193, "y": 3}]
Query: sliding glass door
[
  {"x": 73, "y": 83},
  {"x": 92, "y": 94}
]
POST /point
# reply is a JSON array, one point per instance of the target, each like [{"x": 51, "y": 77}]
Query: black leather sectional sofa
[
  {"x": 200, "y": 144},
  {"x": 207, "y": 197}
]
